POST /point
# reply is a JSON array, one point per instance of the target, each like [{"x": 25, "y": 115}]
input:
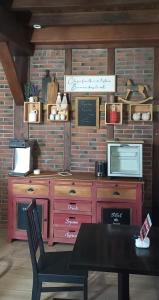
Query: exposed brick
[{"x": 87, "y": 145}]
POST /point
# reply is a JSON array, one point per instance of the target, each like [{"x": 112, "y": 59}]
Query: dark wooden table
[{"x": 111, "y": 248}]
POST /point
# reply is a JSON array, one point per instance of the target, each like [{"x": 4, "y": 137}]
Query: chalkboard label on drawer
[{"x": 116, "y": 216}]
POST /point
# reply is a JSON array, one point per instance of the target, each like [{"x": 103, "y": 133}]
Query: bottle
[
  {"x": 58, "y": 101},
  {"x": 45, "y": 80},
  {"x": 64, "y": 103}
]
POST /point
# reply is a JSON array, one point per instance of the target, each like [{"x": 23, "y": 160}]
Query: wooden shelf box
[
  {"x": 35, "y": 107},
  {"x": 55, "y": 115},
  {"x": 113, "y": 113},
  {"x": 141, "y": 112}
]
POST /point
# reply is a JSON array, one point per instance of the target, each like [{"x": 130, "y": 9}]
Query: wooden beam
[
  {"x": 155, "y": 162},
  {"x": 22, "y": 67},
  {"x": 135, "y": 44},
  {"x": 67, "y": 125},
  {"x": 20, "y": 127},
  {"x": 12, "y": 31},
  {"x": 11, "y": 73},
  {"x": 110, "y": 71},
  {"x": 80, "y": 4},
  {"x": 96, "y": 34},
  {"x": 96, "y": 18}
]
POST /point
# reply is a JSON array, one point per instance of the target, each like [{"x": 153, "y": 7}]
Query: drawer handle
[
  {"x": 73, "y": 218},
  {"x": 30, "y": 189},
  {"x": 116, "y": 194},
  {"x": 72, "y": 192}
]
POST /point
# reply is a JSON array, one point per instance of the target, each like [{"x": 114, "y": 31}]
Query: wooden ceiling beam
[
  {"x": 96, "y": 34},
  {"x": 11, "y": 73},
  {"x": 96, "y": 18},
  {"x": 48, "y": 5},
  {"x": 12, "y": 31}
]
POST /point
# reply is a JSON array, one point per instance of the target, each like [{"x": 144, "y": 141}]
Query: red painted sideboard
[{"x": 66, "y": 202}]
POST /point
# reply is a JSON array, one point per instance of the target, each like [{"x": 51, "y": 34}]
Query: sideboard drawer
[
  {"x": 72, "y": 191},
  {"x": 66, "y": 235},
  {"x": 31, "y": 189},
  {"x": 70, "y": 220},
  {"x": 72, "y": 206},
  {"x": 116, "y": 193}
]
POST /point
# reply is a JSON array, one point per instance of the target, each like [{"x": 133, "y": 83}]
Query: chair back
[{"x": 35, "y": 241}]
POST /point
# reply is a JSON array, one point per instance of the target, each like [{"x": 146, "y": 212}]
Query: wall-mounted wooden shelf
[
  {"x": 141, "y": 112},
  {"x": 31, "y": 108},
  {"x": 113, "y": 113},
  {"x": 54, "y": 114}
]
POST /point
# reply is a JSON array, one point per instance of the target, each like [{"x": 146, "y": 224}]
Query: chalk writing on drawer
[
  {"x": 72, "y": 206},
  {"x": 70, "y": 235},
  {"x": 72, "y": 221}
]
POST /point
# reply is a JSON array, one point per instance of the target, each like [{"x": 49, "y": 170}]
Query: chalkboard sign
[
  {"x": 87, "y": 112},
  {"x": 116, "y": 216}
]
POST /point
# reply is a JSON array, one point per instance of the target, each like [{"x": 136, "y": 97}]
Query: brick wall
[
  {"x": 87, "y": 145},
  {"x": 137, "y": 64},
  {"x": 6, "y": 133}
]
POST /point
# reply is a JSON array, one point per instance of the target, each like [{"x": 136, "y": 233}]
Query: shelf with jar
[
  {"x": 60, "y": 110},
  {"x": 113, "y": 113},
  {"x": 32, "y": 112},
  {"x": 140, "y": 112}
]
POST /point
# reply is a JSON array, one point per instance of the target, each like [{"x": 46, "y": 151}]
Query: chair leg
[
  {"x": 85, "y": 290},
  {"x": 36, "y": 290},
  {"x": 39, "y": 291}
]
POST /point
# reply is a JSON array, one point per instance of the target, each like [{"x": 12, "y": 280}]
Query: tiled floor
[{"x": 16, "y": 277}]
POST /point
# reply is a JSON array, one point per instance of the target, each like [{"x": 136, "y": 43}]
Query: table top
[{"x": 111, "y": 248}]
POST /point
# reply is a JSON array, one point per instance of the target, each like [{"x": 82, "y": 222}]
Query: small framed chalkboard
[
  {"x": 116, "y": 216},
  {"x": 87, "y": 112}
]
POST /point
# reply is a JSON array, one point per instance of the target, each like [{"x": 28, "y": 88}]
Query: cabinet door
[
  {"x": 116, "y": 213},
  {"x": 19, "y": 223}
]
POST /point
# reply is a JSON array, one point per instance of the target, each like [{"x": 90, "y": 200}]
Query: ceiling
[
  {"x": 57, "y": 17},
  {"x": 82, "y": 12}
]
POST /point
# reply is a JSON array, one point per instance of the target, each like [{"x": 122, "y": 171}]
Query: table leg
[{"x": 123, "y": 286}]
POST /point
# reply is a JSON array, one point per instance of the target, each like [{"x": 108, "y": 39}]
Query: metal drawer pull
[
  {"x": 72, "y": 192},
  {"x": 116, "y": 194},
  {"x": 72, "y": 218},
  {"x": 30, "y": 189}
]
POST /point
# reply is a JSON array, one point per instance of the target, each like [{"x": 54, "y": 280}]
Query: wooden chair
[{"x": 52, "y": 267}]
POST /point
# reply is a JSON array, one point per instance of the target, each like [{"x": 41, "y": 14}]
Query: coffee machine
[{"x": 22, "y": 157}]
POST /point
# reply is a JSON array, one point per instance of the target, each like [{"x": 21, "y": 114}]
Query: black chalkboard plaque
[
  {"x": 87, "y": 112},
  {"x": 116, "y": 216}
]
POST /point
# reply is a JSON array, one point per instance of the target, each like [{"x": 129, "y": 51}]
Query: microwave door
[{"x": 125, "y": 161}]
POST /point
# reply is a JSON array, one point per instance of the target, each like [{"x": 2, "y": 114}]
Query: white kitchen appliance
[
  {"x": 125, "y": 159},
  {"x": 22, "y": 157}
]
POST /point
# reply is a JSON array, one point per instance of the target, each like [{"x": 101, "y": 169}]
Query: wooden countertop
[{"x": 79, "y": 176}]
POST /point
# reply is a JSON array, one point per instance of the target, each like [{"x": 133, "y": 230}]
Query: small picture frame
[{"x": 87, "y": 112}]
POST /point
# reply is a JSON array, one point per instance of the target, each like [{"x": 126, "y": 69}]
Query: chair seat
[{"x": 55, "y": 266}]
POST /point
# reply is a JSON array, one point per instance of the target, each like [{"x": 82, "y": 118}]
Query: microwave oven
[{"x": 125, "y": 159}]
